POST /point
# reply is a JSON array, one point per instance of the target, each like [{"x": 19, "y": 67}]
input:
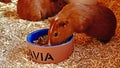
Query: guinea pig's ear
[
  {"x": 51, "y": 20},
  {"x": 63, "y": 23}
]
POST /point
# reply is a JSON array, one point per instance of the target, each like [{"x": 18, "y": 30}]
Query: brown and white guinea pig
[
  {"x": 5, "y": 1},
  {"x": 38, "y": 9},
  {"x": 94, "y": 20}
]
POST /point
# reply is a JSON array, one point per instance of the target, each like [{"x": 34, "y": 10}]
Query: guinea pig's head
[{"x": 60, "y": 30}]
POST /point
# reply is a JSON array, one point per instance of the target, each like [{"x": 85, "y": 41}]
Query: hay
[{"x": 88, "y": 53}]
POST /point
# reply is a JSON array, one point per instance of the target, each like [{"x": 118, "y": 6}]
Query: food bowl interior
[{"x": 36, "y": 34}]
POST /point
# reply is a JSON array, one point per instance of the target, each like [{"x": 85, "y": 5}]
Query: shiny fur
[
  {"x": 94, "y": 20},
  {"x": 38, "y": 9}
]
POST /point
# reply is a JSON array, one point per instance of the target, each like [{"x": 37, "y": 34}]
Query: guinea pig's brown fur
[
  {"x": 38, "y": 9},
  {"x": 89, "y": 2},
  {"x": 5, "y": 1},
  {"x": 94, "y": 20}
]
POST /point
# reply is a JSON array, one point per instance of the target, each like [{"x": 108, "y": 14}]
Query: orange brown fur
[
  {"x": 38, "y": 9},
  {"x": 94, "y": 20},
  {"x": 6, "y": 1}
]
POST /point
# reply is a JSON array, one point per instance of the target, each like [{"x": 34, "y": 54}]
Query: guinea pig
[
  {"x": 38, "y": 9},
  {"x": 95, "y": 21},
  {"x": 5, "y": 1},
  {"x": 89, "y": 2}
]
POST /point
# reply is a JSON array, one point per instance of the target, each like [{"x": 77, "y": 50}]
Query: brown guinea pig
[
  {"x": 5, "y": 1},
  {"x": 94, "y": 20},
  {"x": 38, "y": 9}
]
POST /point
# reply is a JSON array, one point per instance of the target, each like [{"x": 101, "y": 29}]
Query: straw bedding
[{"x": 88, "y": 53}]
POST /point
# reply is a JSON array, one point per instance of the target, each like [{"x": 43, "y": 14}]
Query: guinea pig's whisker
[{"x": 49, "y": 44}]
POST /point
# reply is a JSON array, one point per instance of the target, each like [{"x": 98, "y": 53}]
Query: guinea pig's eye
[{"x": 55, "y": 34}]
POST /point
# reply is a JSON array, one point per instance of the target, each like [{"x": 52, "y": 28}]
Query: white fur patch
[
  {"x": 50, "y": 32},
  {"x": 49, "y": 44},
  {"x": 53, "y": 24},
  {"x": 52, "y": 29},
  {"x": 56, "y": 18}
]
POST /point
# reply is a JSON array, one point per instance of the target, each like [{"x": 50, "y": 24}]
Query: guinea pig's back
[
  {"x": 29, "y": 9},
  {"x": 103, "y": 24}
]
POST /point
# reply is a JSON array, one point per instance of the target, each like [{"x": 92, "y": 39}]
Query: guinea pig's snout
[{"x": 55, "y": 34}]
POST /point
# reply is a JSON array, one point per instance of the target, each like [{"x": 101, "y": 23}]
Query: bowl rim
[{"x": 57, "y": 45}]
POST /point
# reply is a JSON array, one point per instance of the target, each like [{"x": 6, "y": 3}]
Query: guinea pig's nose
[{"x": 55, "y": 34}]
